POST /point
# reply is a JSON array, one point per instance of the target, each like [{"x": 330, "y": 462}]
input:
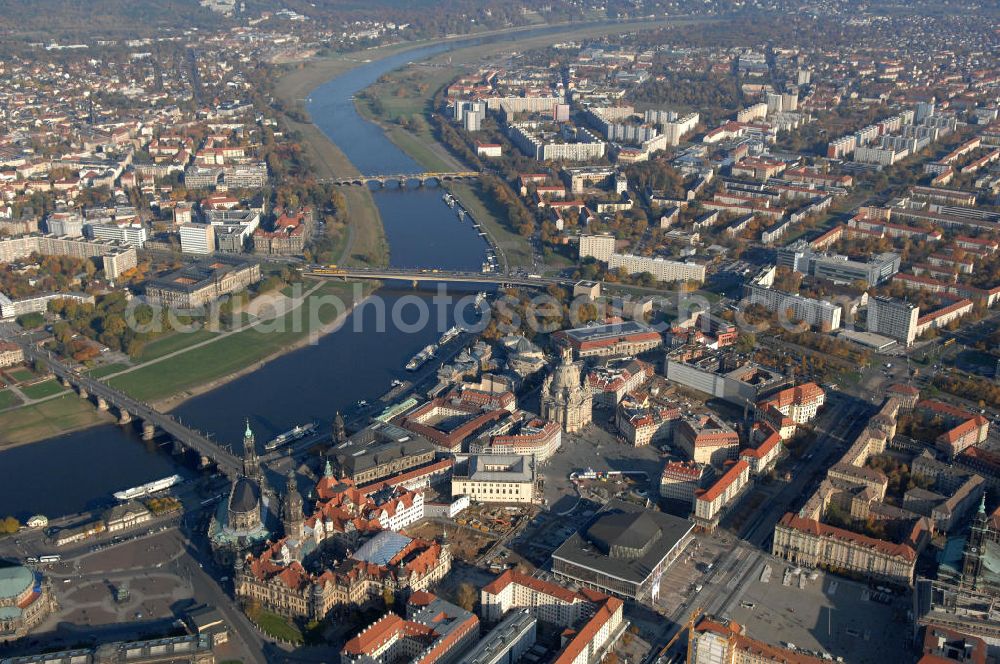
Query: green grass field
[
  {"x": 174, "y": 342},
  {"x": 232, "y": 353},
  {"x": 21, "y": 374},
  {"x": 44, "y": 389},
  {"x": 418, "y": 147},
  {"x": 489, "y": 213},
  {"x": 49, "y": 418},
  {"x": 8, "y": 399},
  {"x": 278, "y": 627},
  {"x": 106, "y": 370}
]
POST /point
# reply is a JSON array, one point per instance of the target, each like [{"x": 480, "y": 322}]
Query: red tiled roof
[
  {"x": 497, "y": 585},
  {"x": 817, "y": 528},
  {"x": 723, "y": 482},
  {"x": 583, "y": 637}
]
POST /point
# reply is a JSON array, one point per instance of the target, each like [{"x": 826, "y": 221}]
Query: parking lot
[{"x": 827, "y": 614}]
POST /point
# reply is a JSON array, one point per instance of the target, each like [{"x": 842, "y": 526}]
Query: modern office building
[
  {"x": 197, "y": 238},
  {"x": 896, "y": 319},
  {"x": 722, "y": 374},
  {"x": 623, "y": 551},
  {"x": 38, "y": 303},
  {"x": 800, "y": 257},
  {"x": 812, "y": 312},
  {"x": 194, "y": 649},
  {"x": 132, "y": 233}
]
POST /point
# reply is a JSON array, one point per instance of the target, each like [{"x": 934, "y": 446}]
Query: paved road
[{"x": 841, "y": 422}]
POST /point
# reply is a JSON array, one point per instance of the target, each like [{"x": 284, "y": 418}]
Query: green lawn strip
[
  {"x": 275, "y": 626},
  {"x": 489, "y": 213},
  {"x": 21, "y": 374},
  {"x": 278, "y": 627},
  {"x": 8, "y": 399},
  {"x": 107, "y": 370},
  {"x": 419, "y": 149},
  {"x": 174, "y": 342},
  {"x": 44, "y": 389},
  {"x": 48, "y": 418},
  {"x": 229, "y": 354}
]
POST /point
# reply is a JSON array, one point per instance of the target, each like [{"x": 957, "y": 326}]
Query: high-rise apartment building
[
  {"x": 895, "y": 319},
  {"x": 598, "y": 246}
]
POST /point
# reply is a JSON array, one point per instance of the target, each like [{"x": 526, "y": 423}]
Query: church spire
[
  {"x": 339, "y": 429},
  {"x": 251, "y": 462},
  {"x": 292, "y": 514}
]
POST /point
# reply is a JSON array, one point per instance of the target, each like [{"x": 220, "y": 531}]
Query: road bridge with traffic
[
  {"x": 423, "y": 275},
  {"x": 129, "y": 409},
  {"x": 403, "y": 179}
]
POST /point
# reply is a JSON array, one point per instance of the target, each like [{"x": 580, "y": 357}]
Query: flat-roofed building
[
  {"x": 197, "y": 238},
  {"x": 494, "y": 478},
  {"x": 896, "y": 319},
  {"x": 597, "y": 246},
  {"x": 662, "y": 269},
  {"x": 622, "y": 551},
  {"x": 116, "y": 257},
  {"x": 507, "y": 642}
]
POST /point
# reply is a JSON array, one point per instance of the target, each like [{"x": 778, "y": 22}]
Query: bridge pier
[
  {"x": 148, "y": 430},
  {"x": 83, "y": 393},
  {"x": 124, "y": 417},
  {"x": 177, "y": 447},
  {"x": 102, "y": 404},
  {"x": 204, "y": 461},
  {"x": 64, "y": 382}
]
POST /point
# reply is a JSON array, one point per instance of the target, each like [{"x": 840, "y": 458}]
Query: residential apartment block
[{"x": 662, "y": 269}]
